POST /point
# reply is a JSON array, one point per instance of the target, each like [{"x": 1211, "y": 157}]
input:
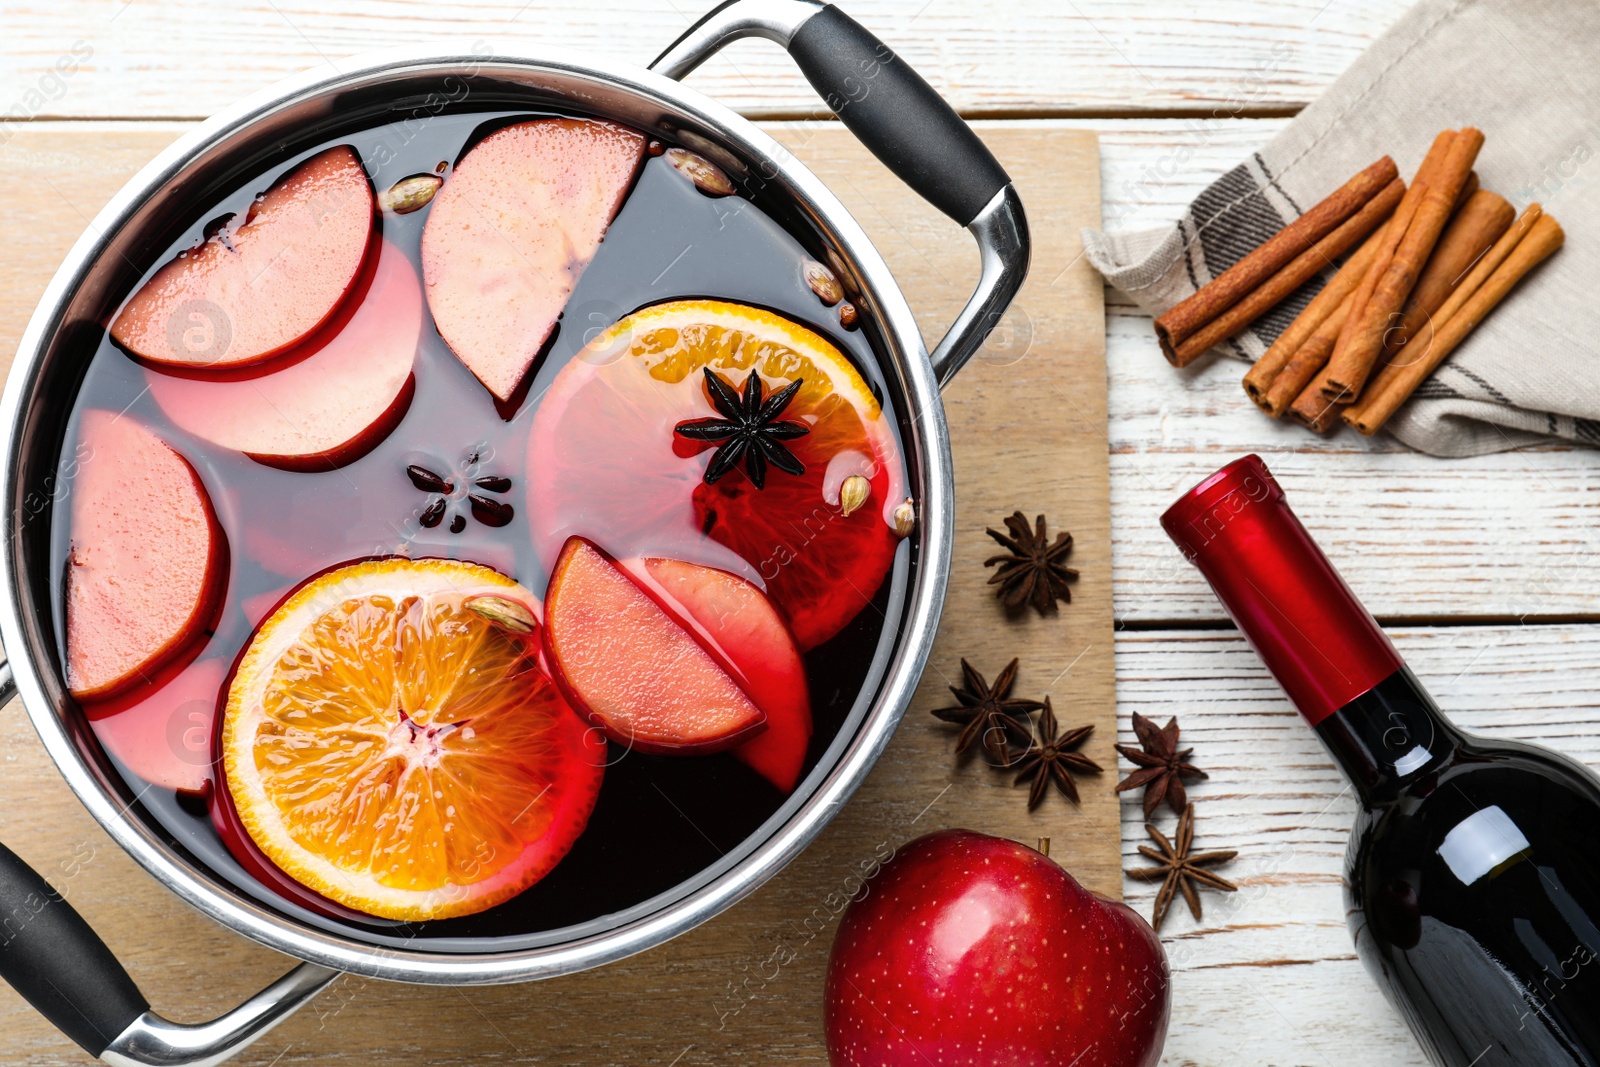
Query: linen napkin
[{"x": 1525, "y": 72}]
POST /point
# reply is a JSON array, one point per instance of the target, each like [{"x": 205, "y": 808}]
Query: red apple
[
  {"x": 744, "y": 631},
  {"x": 252, "y": 291},
  {"x": 622, "y": 661},
  {"x": 970, "y": 949},
  {"x": 147, "y": 562},
  {"x": 512, "y": 230},
  {"x": 331, "y": 405}
]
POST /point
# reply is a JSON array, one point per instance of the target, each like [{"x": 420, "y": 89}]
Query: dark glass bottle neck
[{"x": 1388, "y": 737}]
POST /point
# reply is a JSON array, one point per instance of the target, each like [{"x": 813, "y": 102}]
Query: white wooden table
[{"x": 1486, "y": 570}]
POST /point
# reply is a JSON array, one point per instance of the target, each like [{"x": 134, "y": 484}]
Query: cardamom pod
[
  {"x": 852, "y": 494},
  {"x": 409, "y": 194},
  {"x": 504, "y": 613}
]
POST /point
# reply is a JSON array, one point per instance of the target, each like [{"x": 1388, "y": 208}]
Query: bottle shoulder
[
  {"x": 1492, "y": 806},
  {"x": 1474, "y": 896},
  {"x": 1532, "y": 785}
]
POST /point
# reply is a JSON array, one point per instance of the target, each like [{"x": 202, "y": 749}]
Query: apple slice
[
  {"x": 165, "y": 738},
  {"x": 511, "y": 232},
  {"x": 635, "y": 672},
  {"x": 738, "y": 622},
  {"x": 247, "y": 293},
  {"x": 324, "y": 409},
  {"x": 147, "y": 562}
]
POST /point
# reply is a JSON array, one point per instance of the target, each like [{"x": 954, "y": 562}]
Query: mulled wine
[{"x": 512, "y": 461}]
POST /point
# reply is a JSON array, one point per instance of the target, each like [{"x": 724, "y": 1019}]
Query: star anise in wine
[
  {"x": 1034, "y": 572},
  {"x": 485, "y": 509},
  {"x": 749, "y": 429},
  {"x": 1053, "y": 759},
  {"x": 989, "y": 715},
  {"x": 1162, "y": 766},
  {"x": 1180, "y": 870}
]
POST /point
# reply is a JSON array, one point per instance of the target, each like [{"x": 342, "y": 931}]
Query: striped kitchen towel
[{"x": 1524, "y": 72}]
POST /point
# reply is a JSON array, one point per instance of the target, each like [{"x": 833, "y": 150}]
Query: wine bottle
[{"x": 1472, "y": 881}]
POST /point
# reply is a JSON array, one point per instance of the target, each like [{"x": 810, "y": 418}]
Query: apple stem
[{"x": 1044, "y": 846}]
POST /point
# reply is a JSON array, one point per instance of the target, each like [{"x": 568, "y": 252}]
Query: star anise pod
[
  {"x": 1162, "y": 766},
  {"x": 749, "y": 429},
  {"x": 1035, "y": 571},
  {"x": 989, "y": 715},
  {"x": 1052, "y": 759},
  {"x": 1180, "y": 870}
]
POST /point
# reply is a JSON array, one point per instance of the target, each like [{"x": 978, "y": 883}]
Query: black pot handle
[
  {"x": 58, "y": 964},
  {"x": 897, "y": 115},
  {"x": 52, "y": 957},
  {"x": 56, "y": 961},
  {"x": 905, "y": 123}
]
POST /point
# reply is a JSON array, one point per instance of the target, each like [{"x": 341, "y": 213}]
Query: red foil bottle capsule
[{"x": 1322, "y": 646}]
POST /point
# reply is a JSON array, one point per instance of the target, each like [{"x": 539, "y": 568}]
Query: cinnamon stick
[
  {"x": 1480, "y": 222},
  {"x": 1486, "y": 265},
  {"x": 1314, "y": 411},
  {"x": 1351, "y": 365},
  {"x": 1531, "y": 241},
  {"x": 1187, "y": 317},
  {"x": 1393, "y": 234},
  {"x": 1311, "y": 407},
  {"x": 1261, "y": 376},
  {"x": 1427, "y": 171},
  {"x": 1297, "y": 272},
  {"x": 1306, "y": 362}
]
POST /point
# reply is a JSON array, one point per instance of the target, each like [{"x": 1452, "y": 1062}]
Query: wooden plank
[
  {"x": 1275, "y": 961},
  {"x": 188, "y": 58},
  {"x": 748, "y": 983},
  {"x": 1509, "y": 536}
]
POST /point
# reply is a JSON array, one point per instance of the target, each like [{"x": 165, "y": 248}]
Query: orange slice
[
  {"x": 605, "y": 463},
  {"x": 391, "y": 741}
]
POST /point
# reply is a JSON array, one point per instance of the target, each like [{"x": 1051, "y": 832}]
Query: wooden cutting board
[{"x": 1028, "y": 419}]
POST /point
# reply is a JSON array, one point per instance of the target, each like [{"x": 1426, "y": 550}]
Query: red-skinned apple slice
[
  {"x": 252, "y": 291},
  {"x": 633, "y": 670},
  {"x": 512, "y": 230},
  {"x": 166, "y": 737},
  {"x": 740, "y": 624},
  {"x": 148, "y": 561},
  {"x": 327, "y": 408}
]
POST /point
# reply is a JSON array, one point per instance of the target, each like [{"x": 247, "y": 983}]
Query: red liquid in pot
[{"x": 659, "y": 821}]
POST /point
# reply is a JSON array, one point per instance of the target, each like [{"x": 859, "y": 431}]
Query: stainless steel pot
[{"x": 46, "y": 950}]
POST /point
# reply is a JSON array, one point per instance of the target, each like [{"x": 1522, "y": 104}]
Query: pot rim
[{"x": 23, "y": 637}]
